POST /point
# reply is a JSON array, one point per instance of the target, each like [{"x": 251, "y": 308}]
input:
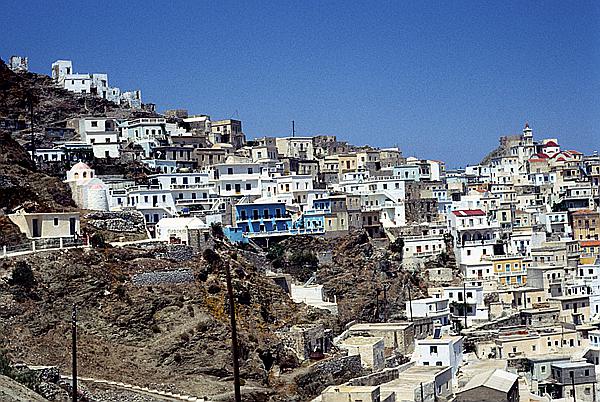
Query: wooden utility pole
[
  {"x": 30, "y": 96},
  {"x": 410, "y": 302},
  {"x": 74, "y": 349},
  {"x": 234, "y": 343},
  {"x": 465, "y": 299}
]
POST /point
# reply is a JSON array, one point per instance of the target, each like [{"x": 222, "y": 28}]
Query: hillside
[
  {"x": 52, "y": 104},
  {"x": 171, "y": 333},
  {"x": 369, "y": 282}
]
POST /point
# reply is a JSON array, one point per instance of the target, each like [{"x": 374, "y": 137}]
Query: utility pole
[
  {"x": 465, "y": 299},
  {"x": 293, "y": 128},
  {"x": 410, "y": 302},
  {"x": 30, "y": 95},
  {"x": 573, "y": 385},
  {"x": 74, "y": 349},
  {"x": 234, "y": 343},
  {"x": 422, "y": 393},
  {"x": 384, "y": 303}
]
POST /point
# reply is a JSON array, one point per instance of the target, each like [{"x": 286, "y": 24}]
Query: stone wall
[
  {"x": 333, "y": 371},
  {"x": 381, "y": 377},
  {"x": 440, "y": 274}
]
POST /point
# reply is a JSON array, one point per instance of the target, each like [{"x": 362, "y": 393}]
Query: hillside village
[{"x": 361, "y": 273}]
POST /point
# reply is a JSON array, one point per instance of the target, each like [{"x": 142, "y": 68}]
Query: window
[
  {"x": 94, "y": 124},
  {"x": 543, "y": 369},
  {"x": 248, "y": 186},
  {"x": 229, "y": 170},
  {"x": 55, "y": 221},
  {"x": 228, "y": 187},
  {"x": 433, "y": 349}
]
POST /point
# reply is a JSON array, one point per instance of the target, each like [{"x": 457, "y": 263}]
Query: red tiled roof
[
  {"x": 468, "y": 212},
  {"x": 572, "y": 151},
  {"x": 542, "y": 155},
  {"x": 589, "y": 243},
  {"x": 550, "y": 144},
  {"x": 583, "y": 212}
]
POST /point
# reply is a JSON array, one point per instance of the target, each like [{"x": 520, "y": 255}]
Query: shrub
[
  {"x": 22, "y": 275},
  {"x": 216, "y": 230},
  {"x": 211, "y": 257}
]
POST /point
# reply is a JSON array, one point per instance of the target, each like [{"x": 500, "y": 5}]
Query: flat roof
[
  {"x": 381, "y": 325},
  {"x": 550, "y": 357},
  {"x": 540, "y": 310},
  {"x": 351, "y": 388},
  {"x": 568, "y": 365},
  {"x": 361, "y": 340}
]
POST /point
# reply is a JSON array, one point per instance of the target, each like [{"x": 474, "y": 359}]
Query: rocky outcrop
[
  {"x": 10, "y": 390},
  {"x": 119, "y": 221}
]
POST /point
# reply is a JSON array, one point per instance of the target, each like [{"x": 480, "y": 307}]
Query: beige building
[
  {"x": 348, "y": 393},
  {"x": 47, "y": 225},
  {"x": 370, "y": 349},
  {"x": 228, "y": 132},
  {"x": 398, "y": 336},
  {"x": 525, "y": 343}
]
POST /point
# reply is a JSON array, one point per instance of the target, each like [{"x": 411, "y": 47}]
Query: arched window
[{"x": 76, "y": 175}]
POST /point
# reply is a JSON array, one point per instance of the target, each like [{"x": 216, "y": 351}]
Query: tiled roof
[
  {"x": 468, "y": 212},
  {"x": 589, "y": 243}
]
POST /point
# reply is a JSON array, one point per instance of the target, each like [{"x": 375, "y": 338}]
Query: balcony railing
[{"x": 288, "y": 232}]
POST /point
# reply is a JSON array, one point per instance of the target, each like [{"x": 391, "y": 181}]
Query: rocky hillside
[
  {"x": 52, "y": 104},
  {"x": 369, "y": 282},
  {"x": 22, "y": 185},
  {"x": 137, "y": 324}
]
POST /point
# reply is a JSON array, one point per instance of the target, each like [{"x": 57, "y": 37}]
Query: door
[
  {"x": 35, "y": 230},
  {"x": 72, "y": 226}
]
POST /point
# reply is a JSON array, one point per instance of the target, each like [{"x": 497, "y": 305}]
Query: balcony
[
  {"x": 289, "y": 232},
  {"x": 195, "y": 186}
]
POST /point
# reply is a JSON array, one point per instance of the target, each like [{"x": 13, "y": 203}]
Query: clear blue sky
[{"x": 442, "y": 79}]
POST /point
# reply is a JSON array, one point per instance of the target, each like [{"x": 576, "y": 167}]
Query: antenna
[{"x": 293, "y": 128}]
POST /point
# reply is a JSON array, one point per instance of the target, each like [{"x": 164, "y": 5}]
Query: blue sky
[{"x": 441, "y": 79}]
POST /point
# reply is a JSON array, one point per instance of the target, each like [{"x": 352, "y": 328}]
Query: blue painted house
[
  {"x": 313, "y": 219},
  {"x": 262, "y": 219}
]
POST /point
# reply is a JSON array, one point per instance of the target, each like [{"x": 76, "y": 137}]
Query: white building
[
  {"x": 38, "y": 225},
  {"x": 177, "y": 230},
  {"x": 442, "y": 350},
  {"x": 18, "y": 64},
  {"x": 313, "y": 295},
  {"x": 100, "y": 132},
  {"x": 461, "y": 296},
  {"x": 436, "y": 308}
]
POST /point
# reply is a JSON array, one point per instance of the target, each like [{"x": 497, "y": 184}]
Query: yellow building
[
  {"x": 509, "y": 270},
  {"x": 586, "y": 225}
]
